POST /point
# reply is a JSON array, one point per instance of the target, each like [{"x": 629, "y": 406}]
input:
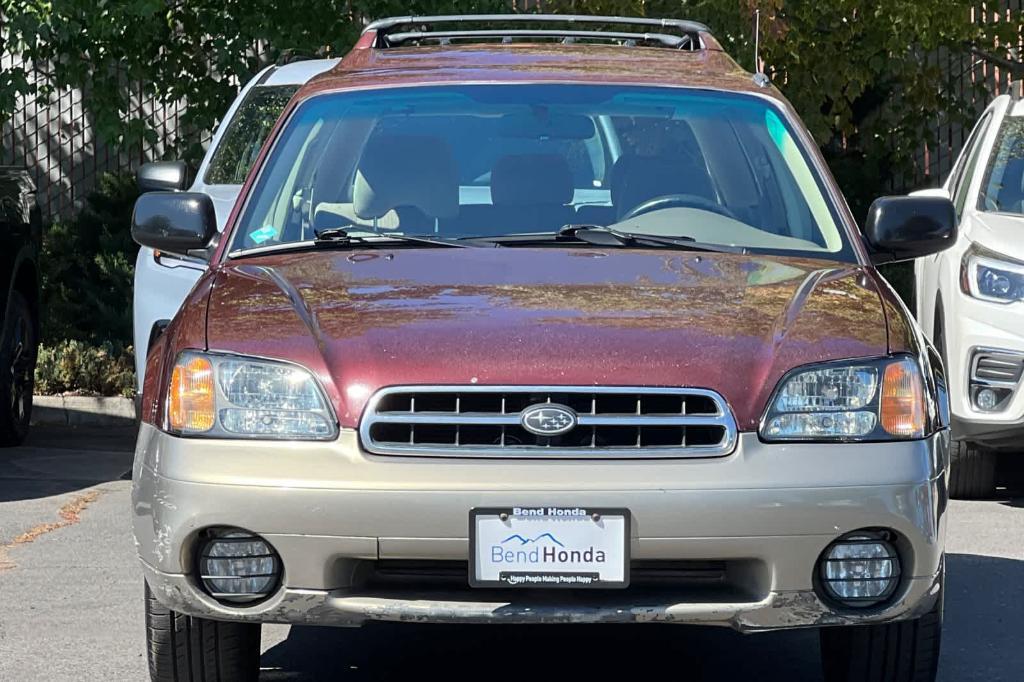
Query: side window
[
  {"x": 245, "y": 134},
  {"x": 962, "y": 183}
]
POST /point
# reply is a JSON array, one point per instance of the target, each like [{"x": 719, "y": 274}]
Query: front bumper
[
  {"x": 971, "y": 324},
  {"x": 330, "y": 509}
]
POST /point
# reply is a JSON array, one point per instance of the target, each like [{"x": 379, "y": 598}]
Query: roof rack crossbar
[
  {"x": 383, "y": 27},
  {"x": 506, "y": 36}
]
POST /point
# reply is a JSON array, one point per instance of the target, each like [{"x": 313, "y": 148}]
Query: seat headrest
[
  {"x": 530, "y": 180},
  {"x": 635, "y": 179},
  {"x": 406, "y": 171}
]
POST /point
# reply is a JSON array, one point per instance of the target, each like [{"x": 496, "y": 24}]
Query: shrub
[
  {"x": 75, "y": 367},
  {"x": 87, "y": 265}
]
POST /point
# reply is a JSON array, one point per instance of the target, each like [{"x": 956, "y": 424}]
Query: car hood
[
  {"x": 362, "y": 320},
  {"x": 998, "y": 232}
]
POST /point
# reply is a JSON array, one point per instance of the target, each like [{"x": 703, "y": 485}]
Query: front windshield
[
  {"x": 488, "y": 160},
  {"x": 246, "y": 132},
  {"x": 1003, "y": 189}
]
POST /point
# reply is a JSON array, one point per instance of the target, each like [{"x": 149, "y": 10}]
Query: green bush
[
  {"x": 76, "y": 367},
  {"x": 901, "y": 277},
  {"x": 87, "y": 266}
]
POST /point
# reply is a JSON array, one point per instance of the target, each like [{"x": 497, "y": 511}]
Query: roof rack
[{"x": 680, "y": 34}]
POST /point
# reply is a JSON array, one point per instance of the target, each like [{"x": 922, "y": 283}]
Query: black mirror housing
[
  {"x": 163, "y": 176},
  {"x": 175, "y": 222},
  {"x": 904, "y": 228}
]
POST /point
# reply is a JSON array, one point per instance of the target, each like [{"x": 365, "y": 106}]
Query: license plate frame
[{"x": 551, "y": 579}]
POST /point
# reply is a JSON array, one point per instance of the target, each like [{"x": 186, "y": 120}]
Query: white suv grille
[
  {"x": 605, "y": 422},
  {"x": 1000, "y": 367}
]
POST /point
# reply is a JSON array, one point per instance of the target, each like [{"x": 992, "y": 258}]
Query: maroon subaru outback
[{"x": 538, "y": 320}]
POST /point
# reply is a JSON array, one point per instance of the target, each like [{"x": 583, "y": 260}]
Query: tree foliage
[
  {"x": 865, "y": 76},
  {"x": 860, "y": 72}
]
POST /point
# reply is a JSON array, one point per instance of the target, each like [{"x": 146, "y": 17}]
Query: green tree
[
  {"x": 200, "y": 51},
  {"x": 862, "y": 75}
]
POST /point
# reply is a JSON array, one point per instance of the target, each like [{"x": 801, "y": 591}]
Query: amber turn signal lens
[
  {"x": 190, "y": 398},
  {"x": 902, "y": 405}
]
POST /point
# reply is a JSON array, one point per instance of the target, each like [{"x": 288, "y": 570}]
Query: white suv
[
  {"x": 162, "y": 281},
  {"x": 970, "y": 298}
]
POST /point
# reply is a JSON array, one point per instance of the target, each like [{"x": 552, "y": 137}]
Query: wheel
[
  {"x": 904, "y": 651},
  {"x": 17, "y": 370},
  {"x": 972, "y": 468},
  {"x": 972, "y": 471},
  {"x": 185, "y": 648}
]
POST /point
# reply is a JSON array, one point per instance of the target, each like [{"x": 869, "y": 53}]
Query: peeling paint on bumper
[{"x": 342, "y": 608}]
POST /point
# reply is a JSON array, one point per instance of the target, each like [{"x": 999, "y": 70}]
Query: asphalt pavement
[{"x": 71, "y": 600}]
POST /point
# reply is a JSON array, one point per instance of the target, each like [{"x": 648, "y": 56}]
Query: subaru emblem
[{"x": 548, "y": 419}]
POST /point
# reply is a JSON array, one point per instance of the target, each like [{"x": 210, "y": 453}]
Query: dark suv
[
  {"x": 19, "y": 302},
  {"x": 538, "y": 319}
]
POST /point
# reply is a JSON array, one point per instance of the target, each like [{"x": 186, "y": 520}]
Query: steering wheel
[{"x": 678, "y": 200}]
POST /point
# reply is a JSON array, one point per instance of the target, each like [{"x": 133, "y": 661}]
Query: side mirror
[
  {"x": 162, "y": 176},
  {"x": 904, "y": 228},
  {"x": 176, "y": 222}
]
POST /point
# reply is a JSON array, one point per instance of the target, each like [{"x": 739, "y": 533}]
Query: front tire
[
  {"x": 972, "y": 468},
  {"x": 903, "y": 651},
  {"x": 186, "y": 648},
  {"x": 972, "y": 471}
]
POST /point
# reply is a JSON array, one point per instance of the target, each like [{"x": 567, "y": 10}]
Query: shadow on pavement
[
  {"x": 60, "y": 459},
  {"x": 503, "y": 653},
  {"x": 983, "y": 633},
  {"x": 981, "y": 641}
]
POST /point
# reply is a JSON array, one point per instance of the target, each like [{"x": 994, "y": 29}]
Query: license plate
[{"x": 564, "y": 547}]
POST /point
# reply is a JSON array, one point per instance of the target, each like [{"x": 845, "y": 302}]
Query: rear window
[{"x": 246, "y": 133}]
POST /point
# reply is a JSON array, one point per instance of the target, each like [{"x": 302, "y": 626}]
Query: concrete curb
[{"x": 76, "y": 410}]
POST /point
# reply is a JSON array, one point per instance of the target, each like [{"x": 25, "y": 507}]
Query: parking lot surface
[{"x": 71, "y": 600}]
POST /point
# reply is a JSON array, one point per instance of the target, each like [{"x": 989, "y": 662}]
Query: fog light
[
  {"x": 987, "y": 399},
  {"x": 237, "y": 566},
  {"x": 860, "y": 570}
]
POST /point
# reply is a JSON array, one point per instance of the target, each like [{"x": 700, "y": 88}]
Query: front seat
[
  {"x": 413, "y": 175},
  {"x": 636, "y": 179},
  {"x": 531, "y": 193}
]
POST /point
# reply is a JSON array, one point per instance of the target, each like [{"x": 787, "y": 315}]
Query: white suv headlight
[
  {"x": 880, "y": 399},
  {"x": 991, "y": 277},
  {"x": 227, "y": 396}
]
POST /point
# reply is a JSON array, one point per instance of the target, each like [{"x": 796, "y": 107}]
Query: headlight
[
  {"x": 991, "y": 277},
  {"x": 864, "y": 400},
  {"x": 226, "y": 396}
]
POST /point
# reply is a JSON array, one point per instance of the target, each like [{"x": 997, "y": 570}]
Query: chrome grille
[
  {"x": 487, "y": 421},
  {"x": 1001, "y": 367}
]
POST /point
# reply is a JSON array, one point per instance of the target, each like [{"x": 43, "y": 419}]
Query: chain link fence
[
  {"x": 973, "y": 78},
  {"x": 56, "y": 141}
]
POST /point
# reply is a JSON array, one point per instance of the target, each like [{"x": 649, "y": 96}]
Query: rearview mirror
[
  {"x": 161, "y": 176},
  {"x": 176, "y": 222},
  {"x": 904, "y": 228},
  {"x": 551, "y": 126}
]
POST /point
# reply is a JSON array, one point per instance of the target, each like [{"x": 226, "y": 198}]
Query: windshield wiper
[
  {"x": 337, "y": 236},
  {"x": 609, "y": 236},
  {"x": 599, "y": 235}
]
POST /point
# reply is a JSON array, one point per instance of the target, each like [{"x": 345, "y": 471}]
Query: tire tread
[
  {"x": 904, "y": 651},
  {"x": 185, "y": 648},
  {"x": 972, "y": 471}
]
